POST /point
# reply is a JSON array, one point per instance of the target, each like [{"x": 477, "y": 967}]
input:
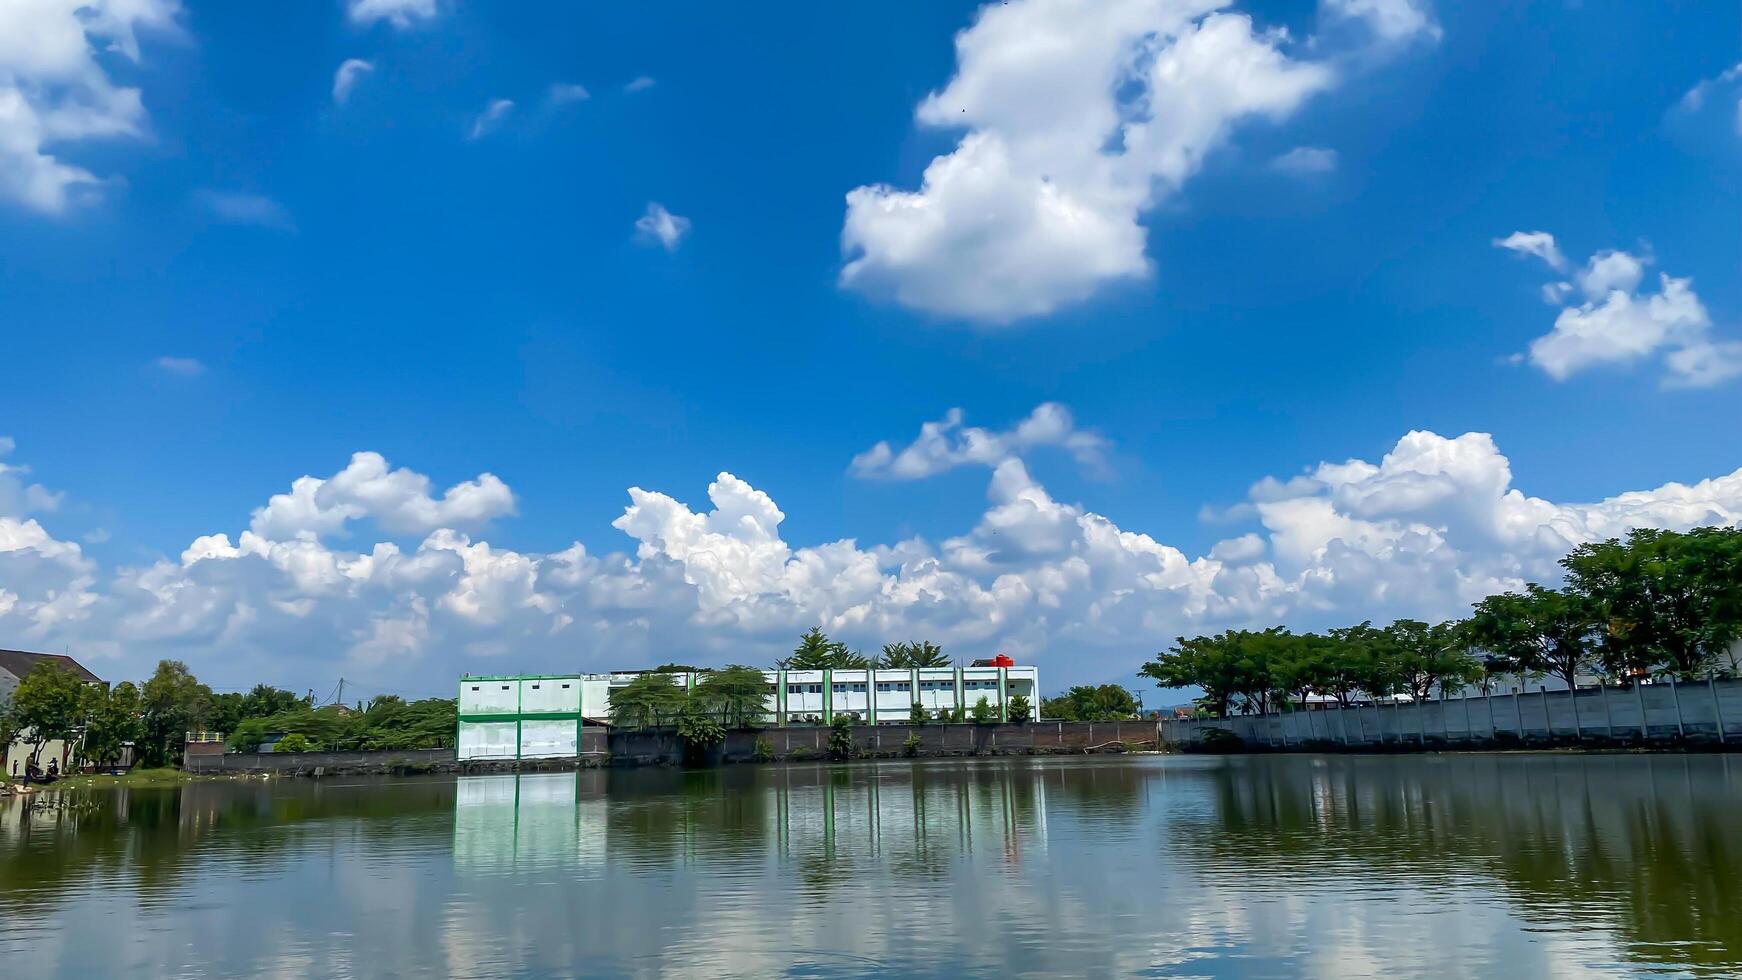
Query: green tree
[
  {"x": 1667, "y": 600},
  {"x": 909, "y": 655},
  {"x": 1230, "y": 665},
  {"x": 737, "y": 696},
  {"x": 917, "y": 715},
  {"x": 648, "y": 701},
  {"x": 1019, "y": 708},
  {"x": 295, "y": 742},
  {"x": 248, "y": 734},
  {"x": 8, "y": 734},
  {"x": 1541, "y": 631},
  {"x": 48, "y": 706},
  {"x": 174, "y": 702},
  {"x": 699, "y": 731},
  {"x": 815, "y": 651},
  {"x": 1429, "y": 656},
  {"x": 841, "y": 744},
  {"x": 1106, "y": 702},
  {"x": 112, "y": 719},
  {"x": 983, "y": 712}
]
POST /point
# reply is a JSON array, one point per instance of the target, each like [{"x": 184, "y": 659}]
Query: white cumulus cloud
[
  {"x": 1389, "y": 20},
  {"x": 54, "y": 92},
  {"x": 397, "y": 499},
  {"x": 1076, "y": 126},
  {"x": 1432, "y": 525},
  {"x": 946, "y": 444},
  {"x": 1617, "y": 322}
]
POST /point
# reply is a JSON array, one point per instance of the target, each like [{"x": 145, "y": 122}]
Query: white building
[
  {"x": 14, "y": 664},
  {"x": 541, "y": 716}
]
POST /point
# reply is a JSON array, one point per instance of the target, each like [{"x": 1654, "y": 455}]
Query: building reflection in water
[{"x": 818, "y": 820}]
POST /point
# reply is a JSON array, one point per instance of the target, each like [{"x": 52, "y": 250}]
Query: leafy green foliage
[
  {"x": 388, "y": 723},
  {"x": 736, "y": 696},
  {"x": 47, "y": 706},
  {"x": 1107, "y": 702},
  {"x": 296, "y": 742},
  {"x": 1019, "y": 708},
  {"x": 173, "y": 702},
  {"x": 762, "y": 750},
  {"x": 841, "y": 745},
  {"x": 1667, "y": 601},
  {"x": 910, "y": 745},
  {"x": 917, "y": 715},
  {"x": 648, "y": 701},
  {"x": 909, "y": 655},
  {"x": 815, "y": 651},
  {"x": 699, "y": 732},
  {"x": 112, "y": 718},
  {"x": 983, "y": 712},
  {"x": 1539, "y": 631},
  {"x": 1660, "y": 602}
]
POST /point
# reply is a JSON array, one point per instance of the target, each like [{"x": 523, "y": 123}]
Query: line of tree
[
  {"x": 51, "y": 704},
  {"x": 1658, "y": 604},
  {"x": 816, "y": 651}
]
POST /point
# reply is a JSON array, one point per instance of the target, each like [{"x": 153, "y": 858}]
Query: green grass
[{"x": 136, "y": 778}]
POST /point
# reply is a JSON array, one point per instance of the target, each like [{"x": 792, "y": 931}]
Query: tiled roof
[{"x": 18, "y": 663}]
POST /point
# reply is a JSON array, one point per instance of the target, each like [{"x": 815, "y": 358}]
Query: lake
[{"x": 1502, "y": 865}]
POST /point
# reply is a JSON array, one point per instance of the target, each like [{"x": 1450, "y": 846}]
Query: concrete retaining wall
[
  {"x": 652, "y": 748},
  {"x": 1708, "y": 711},
  {"x": 278, "y": 762},
  {"x": 890, "y": 740}
]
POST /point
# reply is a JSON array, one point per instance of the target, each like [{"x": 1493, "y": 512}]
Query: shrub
[
  {"x": 294, "y": 742},
  {"x": 984, "y": 713},
  {"x": 917, "y": 715},
  {"x": 1019, "y": 708},
  {"x": 910, "y": 747},
  {"x": 762, "y": 750},
  {"x": 841, "y": 737}
]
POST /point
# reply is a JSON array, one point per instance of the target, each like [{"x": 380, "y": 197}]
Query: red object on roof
[{"x": 1003, "y": 660}]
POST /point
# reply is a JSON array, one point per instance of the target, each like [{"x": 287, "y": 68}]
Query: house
[{"x": 14, "y": 664}]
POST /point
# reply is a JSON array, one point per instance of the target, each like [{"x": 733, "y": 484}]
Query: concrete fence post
[
  {"x": 1518, "y": 712},
  {"x": 1608, "y": 719},
  {"x": 1717, "y": 708},
  {"x": 1639, "y": 695},
  {"x": 1469, "y": 726},
  {"x": 1681, "y": 730}
]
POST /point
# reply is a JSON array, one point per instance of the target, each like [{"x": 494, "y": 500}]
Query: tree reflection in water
[{"x": 1493, "y": 865}]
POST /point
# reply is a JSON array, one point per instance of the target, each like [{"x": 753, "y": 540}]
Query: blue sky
[{"x": 247, "y": 278}]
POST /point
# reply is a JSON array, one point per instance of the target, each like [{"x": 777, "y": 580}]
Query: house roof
[{"x": 18, "y": 663}]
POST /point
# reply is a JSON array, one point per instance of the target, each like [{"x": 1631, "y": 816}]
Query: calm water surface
[{"x": 1468, "y": 865}]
